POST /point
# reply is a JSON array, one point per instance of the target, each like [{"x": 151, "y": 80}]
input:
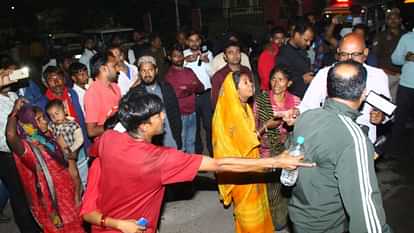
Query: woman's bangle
[{"x": 102, "y": 224}]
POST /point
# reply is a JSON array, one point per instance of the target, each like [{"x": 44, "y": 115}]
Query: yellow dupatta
[{"x": 234, "y": 134}]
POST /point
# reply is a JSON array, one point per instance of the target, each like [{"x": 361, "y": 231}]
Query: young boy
[{"x": 81, "y": 80}]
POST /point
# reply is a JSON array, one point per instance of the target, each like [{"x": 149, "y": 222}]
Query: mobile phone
[
  {"x": 204, "y": 49},
  {"x": 142, "y": 222},
  {"x": 21, "y": 73},
  {"x": 381, "y": 103}
]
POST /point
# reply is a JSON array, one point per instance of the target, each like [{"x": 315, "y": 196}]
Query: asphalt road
[{"x": 203, "y": 213}]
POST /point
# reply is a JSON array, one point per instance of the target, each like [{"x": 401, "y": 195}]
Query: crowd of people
[{"x": 100, "y": 140}]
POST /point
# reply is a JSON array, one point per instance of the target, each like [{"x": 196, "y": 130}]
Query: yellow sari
[{"x": 233, "y": 133}]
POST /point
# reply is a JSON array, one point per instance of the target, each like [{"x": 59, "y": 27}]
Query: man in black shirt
[{"x": 293, "y": 56}]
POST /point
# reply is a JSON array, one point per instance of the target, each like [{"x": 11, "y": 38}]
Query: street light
[{"x": 12, "y": 8}]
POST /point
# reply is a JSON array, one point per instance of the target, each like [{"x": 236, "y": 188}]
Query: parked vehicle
[
  {"x": 103, "y": 36},
  {"x": 68, "y": 43}
]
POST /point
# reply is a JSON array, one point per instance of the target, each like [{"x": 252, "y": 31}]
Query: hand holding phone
[
  {"x": 142, "y": 223},
  {"x": 5, "y": 78},
  {"x": 21, "y": 73},
  {"x": 380, "y": 103},
  {"x": 203, "y": 55}
]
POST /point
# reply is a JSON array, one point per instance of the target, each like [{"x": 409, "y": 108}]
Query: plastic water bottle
[{"x": 288, "y": 178}]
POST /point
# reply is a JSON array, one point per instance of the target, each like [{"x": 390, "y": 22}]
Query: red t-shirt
[
  {"x": 265, "y": 64},
  {"x": 101, "y": 101},
  {"x": 133, "y": 175}
]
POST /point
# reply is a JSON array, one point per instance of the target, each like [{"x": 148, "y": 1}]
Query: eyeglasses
[{"x": 351, "y": 55}]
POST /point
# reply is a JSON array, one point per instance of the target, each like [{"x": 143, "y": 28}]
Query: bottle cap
[
  {"x": 300, "y": 140},
  {"x": 142, "y": 222}
]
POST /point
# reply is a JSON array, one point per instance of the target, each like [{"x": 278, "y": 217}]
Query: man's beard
[
  {"x": 179, "y": 64},
  {"x": 147, "y": 82}
]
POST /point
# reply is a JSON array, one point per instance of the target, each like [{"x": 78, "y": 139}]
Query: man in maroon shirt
[
  {"x": 186, "y": 85},
  {"x": 232, "y": 56},
  {"x": 129, "y": 181}
]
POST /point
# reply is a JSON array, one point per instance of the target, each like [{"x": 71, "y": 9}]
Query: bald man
[
  {"x": 351, "y": 47},
  {"x": 341, "y": 194}
]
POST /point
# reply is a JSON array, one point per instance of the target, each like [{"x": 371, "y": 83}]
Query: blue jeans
[
  {"x": 4, "y": 196},
  {"x": 189, "y": 132}
]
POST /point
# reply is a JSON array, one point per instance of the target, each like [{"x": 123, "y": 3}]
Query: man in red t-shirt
[
  {"x": 267, "y": 58},
  {"x": 102, "y": 97},
  {"x": 128, "y": 179}
]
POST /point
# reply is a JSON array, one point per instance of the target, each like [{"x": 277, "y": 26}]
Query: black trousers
[
  {"x": 204, "y": 114},
  {"x": 405, "y": 109},
  {"x": 21, "y": 211}
]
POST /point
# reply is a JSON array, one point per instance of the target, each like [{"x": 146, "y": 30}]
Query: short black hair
[
  {"x": 277, "y": 30},
  {"x": 302, "y": 26},
  {"x": 194, "y": 32},
  {"x": 346, "y": 86},
  {"x": 229, "y": 44},
  {"x": 175, "y": 47},
  {"x": 97, "y": 61},
  {"x": 136, "y": 107},
  {"x": 112, "y": 47},
  {"x": 55, "y": 103},
  {"x": 50, "y": 70},
  {"x": 76, "y": 67}
]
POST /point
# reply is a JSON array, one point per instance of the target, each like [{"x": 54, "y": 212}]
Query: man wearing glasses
[{"x": 351, "y": 47}]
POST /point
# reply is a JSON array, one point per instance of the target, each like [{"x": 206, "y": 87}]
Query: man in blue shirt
[{"x": 403, "y": 55}]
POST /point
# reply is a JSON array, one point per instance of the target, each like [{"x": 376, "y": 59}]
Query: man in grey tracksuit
[{"x": 342, "y": 193}]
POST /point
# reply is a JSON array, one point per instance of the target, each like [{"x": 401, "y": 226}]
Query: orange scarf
[{"x": 233, "y": 134}]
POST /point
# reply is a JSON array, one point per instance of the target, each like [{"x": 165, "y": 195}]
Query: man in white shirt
[
  {"x": 88, "y": 53},
  {"x": 200, "y": 63},
  {"x": 352, "y": 46},
  {"x": 79, "y": 74},
  {"x": 128, "y": 73}
]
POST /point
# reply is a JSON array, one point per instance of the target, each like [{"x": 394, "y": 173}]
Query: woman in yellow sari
[{"x": 234, "y": 133}]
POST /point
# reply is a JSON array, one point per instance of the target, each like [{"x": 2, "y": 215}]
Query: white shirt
[
  {"x": 125, "y": 80},
  {"x": 203, "y": 72},
  {"x": 218, "y": 62},
  {"x": 316, "y": 94},
  {"x": 131, "y": 56},
  {"x": 81, "y": 94},
  {"x": 6, "y": 106},
  {"x": 86, "y": 58}
]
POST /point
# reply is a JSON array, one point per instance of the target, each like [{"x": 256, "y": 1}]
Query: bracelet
[{"x": 102, "y": 224}]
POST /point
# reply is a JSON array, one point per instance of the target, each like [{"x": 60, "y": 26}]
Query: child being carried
[{"x": 64, "y": 127}]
